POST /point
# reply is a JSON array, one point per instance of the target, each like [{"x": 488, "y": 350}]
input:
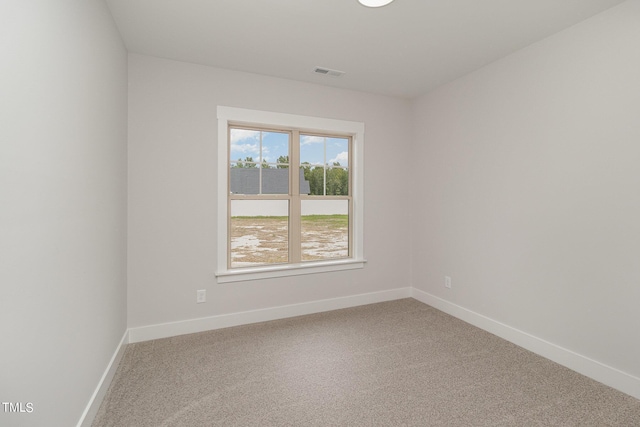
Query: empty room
[{"x": 320, "y": 213}]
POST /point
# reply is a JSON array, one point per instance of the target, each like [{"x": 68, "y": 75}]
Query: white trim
[
  {"x": 605, "y": 374},
  {"x": 256, "y": 117},
  {"x": 307, "y": 123},
  {"x": 165, "y": 330},
  {"x": 103, "y": 385},
  {"x": 281, "y": 270}
]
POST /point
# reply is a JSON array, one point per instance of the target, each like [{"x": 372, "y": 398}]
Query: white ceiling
[{"x": 404, "y": 49}]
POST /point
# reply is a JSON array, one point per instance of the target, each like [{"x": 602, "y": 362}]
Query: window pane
[
  {"x": 338, "y": 152},
  {"x": 325, "y": 161},
  {"x": 259, "y": 232},
  {"x": 312, "y": 180},
  {"x": 275, "y": 148},
  {"x": 244, "y": 178},
  {"x": 258, "y": 162},
  {"x": 325, "y": 229},
  {"x": 337, "y": 181},
  {"x": 312, "y": 150},
  {"x": 275, "y": 180},
  {"x": 244, "y": 144},
  {"x": 305, "y": 185}
]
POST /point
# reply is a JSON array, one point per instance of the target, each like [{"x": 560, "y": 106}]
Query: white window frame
[{"x": 228, "y": 115}]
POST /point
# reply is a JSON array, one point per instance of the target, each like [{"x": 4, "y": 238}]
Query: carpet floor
[{"x": 397, "y": 363}]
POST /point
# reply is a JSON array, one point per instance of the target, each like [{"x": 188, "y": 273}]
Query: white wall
[
  {"x": 62, "y": 205},
  {"x": 531, "y": 190},
  {"x": 172, "y": 190}
]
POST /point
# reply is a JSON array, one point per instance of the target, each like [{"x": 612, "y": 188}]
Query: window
[{"x": 289, "y": 194}]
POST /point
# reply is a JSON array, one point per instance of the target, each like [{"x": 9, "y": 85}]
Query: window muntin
[{"x": 268, "y": 224}]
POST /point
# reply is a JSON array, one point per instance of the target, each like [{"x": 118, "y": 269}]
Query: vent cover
[{"x": 328, "y": 72}]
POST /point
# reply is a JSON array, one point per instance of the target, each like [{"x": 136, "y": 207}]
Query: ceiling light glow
[{"x": 375, "y": 3}]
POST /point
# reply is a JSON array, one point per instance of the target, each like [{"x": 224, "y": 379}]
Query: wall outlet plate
[
  {"x": 447, "y": 282},
  {"x": 201, "y": 296}
]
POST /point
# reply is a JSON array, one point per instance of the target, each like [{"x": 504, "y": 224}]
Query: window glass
[
  {"x": 338, "y": 152},
  {"x": 275, "y": 148},
  {"x": 324, "y": 229},
  {"x": 337, "y": 181},
  {"x": 312, "y": 150},
  {"x": 325, "y": 162},
  {"x": 244, "y": 179},
  {"x": 258, "y": 162},
  {"x": 259, "y": 231},
  {"x": 244, "y": 146}
]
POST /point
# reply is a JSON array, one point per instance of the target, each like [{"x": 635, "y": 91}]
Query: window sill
[{"x": 284, "y": 270}]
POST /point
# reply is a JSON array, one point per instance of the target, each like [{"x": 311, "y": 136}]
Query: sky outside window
[
  {"x": 274, "y": 146},
  {"x": 312, "y": 150},
  {"x": 246, "y": 143}
]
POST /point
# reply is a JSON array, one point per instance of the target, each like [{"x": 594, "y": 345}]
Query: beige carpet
[{"x": 399, "y": 363}]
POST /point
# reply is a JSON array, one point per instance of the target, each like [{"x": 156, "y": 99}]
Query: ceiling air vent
[{"x": 328, "y": 72}]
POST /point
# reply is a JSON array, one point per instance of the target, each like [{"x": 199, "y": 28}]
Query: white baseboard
[
  {"x": 96, "y": 399},
  {"x": 612, "y": 377},
  {"x": 164, "y": 330}
]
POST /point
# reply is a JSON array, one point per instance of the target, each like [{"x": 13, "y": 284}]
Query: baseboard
[
  {"x": 600, "y": 372},
  {"x": 96, "y": 399},
  {"x": 165, "y": 330}
]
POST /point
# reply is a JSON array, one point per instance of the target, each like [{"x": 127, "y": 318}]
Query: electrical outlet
[
  {"x": 201, "y": 296},
  {"x": 447, "y": 282}
]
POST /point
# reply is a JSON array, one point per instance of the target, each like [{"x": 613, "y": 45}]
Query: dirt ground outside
[{"x": 264, "y": 239}]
